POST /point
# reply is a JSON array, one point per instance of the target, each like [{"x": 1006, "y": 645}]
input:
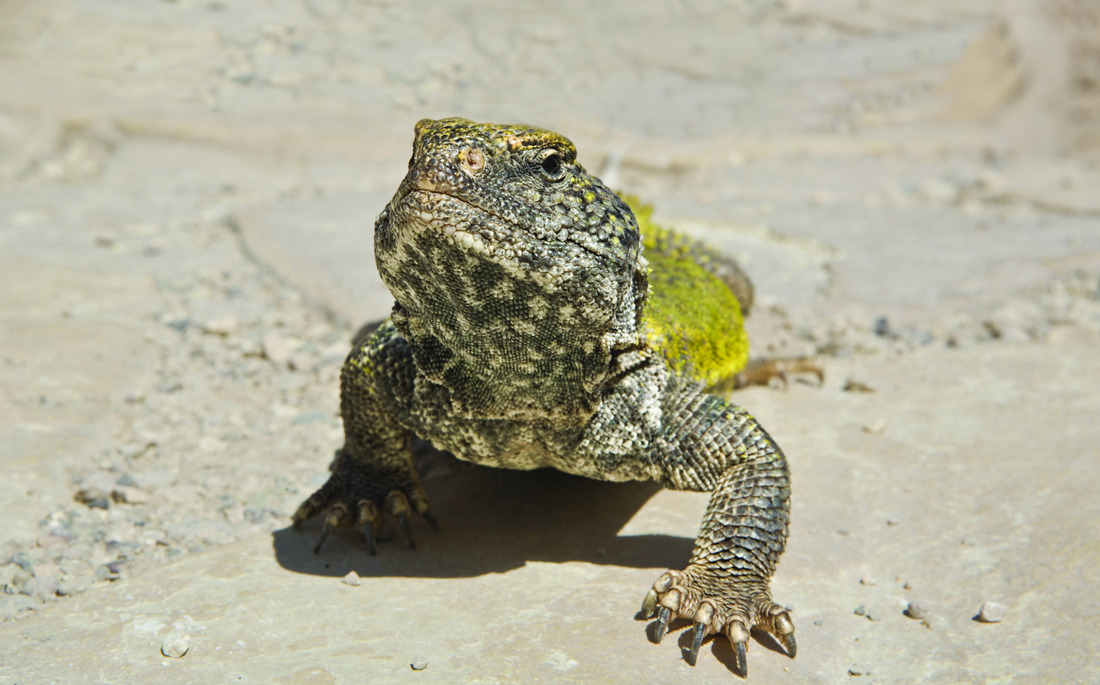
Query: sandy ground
[{"x": 187, "y": 192}]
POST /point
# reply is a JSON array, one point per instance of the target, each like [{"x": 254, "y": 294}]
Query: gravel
[{"x": 259, "y": 374}]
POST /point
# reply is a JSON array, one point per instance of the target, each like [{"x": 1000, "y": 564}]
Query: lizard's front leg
[
  {"x": 708, "y": 444},
  {"x": 373, "y": 473}
]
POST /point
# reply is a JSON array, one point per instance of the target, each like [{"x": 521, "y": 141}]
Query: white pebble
[
  {"x": 352, "y": 579},
  {"x": 875, "y": 428},
  {"x": 277, "y": 349},
  {"x": 868, "y": 579},
  {"x": 992, "y": 612},
  {"x": 176, "y": 644},
  {"x": 419, "y": 664},
  {"x": 223, "y": 326}
]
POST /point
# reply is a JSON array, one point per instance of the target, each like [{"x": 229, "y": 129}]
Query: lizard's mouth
[
  {"x": 471, "y": 226},
  {"x": 418, "y": 210}
]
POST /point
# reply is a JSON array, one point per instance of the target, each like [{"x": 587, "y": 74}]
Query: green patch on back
[{"x": 692, "y": 319}]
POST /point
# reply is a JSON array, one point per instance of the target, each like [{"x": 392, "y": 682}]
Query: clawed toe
[
  {"x": 721, "y": 608},
  {"x": 337, "y": 517},
  {"x": 783, "y": 628},
  {"x": 738, "y": 636},
  {"x": 664, "y": 615},
  {"x": 697, "y": 636},
  {"x": 649, "y": 604},
  {"x": 702, "y": 618},
  {"x": 742, "y": 659},
  {"x": 368, "y": 515},
  {"x": 791, "y": 645}
]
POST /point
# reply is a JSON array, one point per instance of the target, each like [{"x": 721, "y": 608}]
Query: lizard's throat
[{"x": 502, "y": 373}]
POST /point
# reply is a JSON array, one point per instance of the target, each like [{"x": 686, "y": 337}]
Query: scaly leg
[
  {"x": 709, "y": 444},
  {"x": 373, "y": 474}
]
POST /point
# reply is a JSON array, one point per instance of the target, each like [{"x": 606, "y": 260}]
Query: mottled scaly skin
[{"x": 520, "y": 339}]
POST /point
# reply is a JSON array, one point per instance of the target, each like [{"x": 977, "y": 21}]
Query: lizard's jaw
[{"x": 456, "y": 233}]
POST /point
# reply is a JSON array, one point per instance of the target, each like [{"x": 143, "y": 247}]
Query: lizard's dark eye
[{"x": 551, "y": 165}]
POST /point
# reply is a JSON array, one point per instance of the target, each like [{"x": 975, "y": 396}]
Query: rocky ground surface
[{"x": 187, "y": 192}]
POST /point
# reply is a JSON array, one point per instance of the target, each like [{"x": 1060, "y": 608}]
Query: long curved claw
[
  {"x": 742, "y": 659},
  {"x": 406, "y": 530},
  {"x": 368, "y": 517},
  {"x": 697, "y": 641},
  {"x": 337, "y": 517},
  {"x": 368, "y": 535},
  {"x": 664, "y": 615},
  {"x": 398, "y": 505},
  {"x": 702, "y": 618},
  {"x": 649, "y": 604},
  {"x": 739, "y": 635},
  {"x": 430, "y": 518},
  {"x": 325, "y": 530},
  {"x": 784, "y": 630},
  {"x": 790, "y": 644}
]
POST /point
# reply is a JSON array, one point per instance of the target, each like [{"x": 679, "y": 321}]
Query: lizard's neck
[
  {"x": 513, "y": 371},
  {"x": 510, "y": 338}
]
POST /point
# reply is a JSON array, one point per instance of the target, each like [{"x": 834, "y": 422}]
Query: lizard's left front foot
[
  {"x": 718, "y": 603},
  {"x": 762, "y": 371}
]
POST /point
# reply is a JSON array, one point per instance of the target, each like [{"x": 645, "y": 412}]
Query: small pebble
[
  {"x": 277, "y": 349},
  {"x": 176, "y": 644},
  {"x": 223, "y": 326},
  {"x": 860, "y": 611},
  {"x": 876, "y": 428},
  {"x": 992, "y": 612},
  {"x": 917, "y": 610},
  {"x": 42, "y": 587},
  {"x": 857, "y": 386},
  {"x": 128, "y": 495},
  {"x": 419, "y": 664},
  {"x": 352, "y": 579},
  {"x": 45, "y": 541},
  {"x": 868, "y": 579},
  {"x": 857, "y": 670}
]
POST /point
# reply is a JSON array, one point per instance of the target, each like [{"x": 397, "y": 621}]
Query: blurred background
[{"x": 187, "y": 197}]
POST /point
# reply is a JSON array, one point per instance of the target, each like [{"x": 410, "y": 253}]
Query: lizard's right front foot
[
  {"x": 718, "y": 603},
  {"x": 358, "y": 496}
]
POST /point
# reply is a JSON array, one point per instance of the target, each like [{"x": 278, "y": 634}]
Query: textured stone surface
[
  {"x": 181, "y": 180},
  {"x": 518, "y": 587}
]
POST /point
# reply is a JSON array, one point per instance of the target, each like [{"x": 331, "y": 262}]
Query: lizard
[{"x": 536, "y": 324}]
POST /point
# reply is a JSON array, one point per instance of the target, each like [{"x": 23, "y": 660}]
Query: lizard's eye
[
  {"x": 551, "y": 165},
  {"x": 472, "y": 159}
]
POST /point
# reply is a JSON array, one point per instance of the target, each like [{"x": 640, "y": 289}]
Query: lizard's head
[{"x": 507, "y": 259}]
